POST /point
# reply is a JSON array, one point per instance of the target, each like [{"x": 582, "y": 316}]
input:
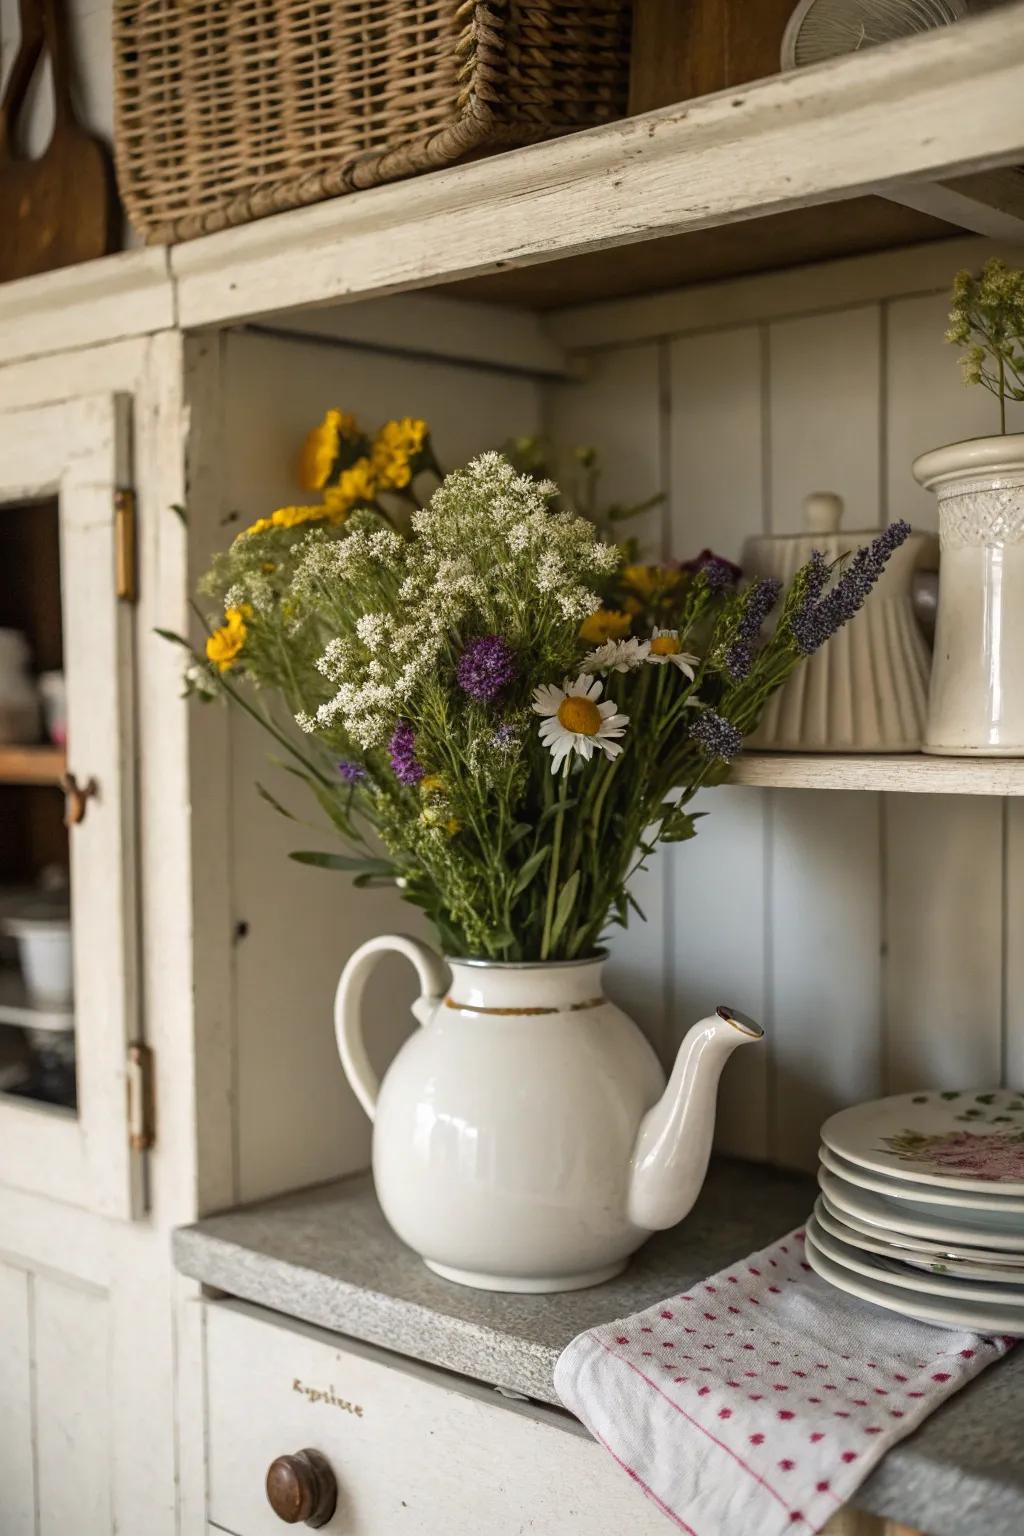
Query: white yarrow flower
[
  {"x": 665, "y": 647},
  {"x": 574, "y": 721},
  {"x": 617, "y": 656}
]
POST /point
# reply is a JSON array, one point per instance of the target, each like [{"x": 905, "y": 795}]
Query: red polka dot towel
[{"x": 759, "y": 1399}]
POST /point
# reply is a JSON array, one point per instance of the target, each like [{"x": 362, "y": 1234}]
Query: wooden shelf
[
  {"x": 32, "y": 765},
  {"x": 898, "y": 773},
  {"x": 937, "y": 109}
]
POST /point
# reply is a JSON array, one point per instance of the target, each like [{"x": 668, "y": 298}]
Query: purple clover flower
[
  {"x": 486, "y": 667},
  {"x": 818, "y": 618},
  {"x": 758, "y": 602},
  {"x": 505, "y": 737},
  {"x": 352, "y": 773},
  {"x": 402, "y": 752},
  {"x": 716, "y": 736}
]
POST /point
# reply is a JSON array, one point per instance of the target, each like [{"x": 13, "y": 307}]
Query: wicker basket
[{"x": 228, "y": 110}]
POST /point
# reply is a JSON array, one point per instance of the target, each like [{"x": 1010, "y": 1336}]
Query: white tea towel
[{"x": 759, "y": 1399}]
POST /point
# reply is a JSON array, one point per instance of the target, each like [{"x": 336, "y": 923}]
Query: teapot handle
[{"x": 348, "y": 1002}]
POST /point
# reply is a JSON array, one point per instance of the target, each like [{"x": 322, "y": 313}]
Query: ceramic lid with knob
[{"x": 866, "y": 689}]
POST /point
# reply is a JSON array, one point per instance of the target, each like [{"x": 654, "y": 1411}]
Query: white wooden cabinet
[{"x": 190, "y": 376}]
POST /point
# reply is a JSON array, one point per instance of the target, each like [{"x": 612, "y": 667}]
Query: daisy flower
[
  {"x": 665, "y": 647},
  {"x": 575, "y": 721},
  {"x": 617, "y": 656}
]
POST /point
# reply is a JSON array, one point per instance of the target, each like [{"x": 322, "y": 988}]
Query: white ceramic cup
[{"x": 44, "y": 951}]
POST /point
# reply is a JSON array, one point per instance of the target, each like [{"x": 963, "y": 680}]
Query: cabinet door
[{"x": 60, "y": 468}]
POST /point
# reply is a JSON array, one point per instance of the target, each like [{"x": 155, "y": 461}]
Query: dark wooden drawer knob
[{"x": 302, "y": 1488}]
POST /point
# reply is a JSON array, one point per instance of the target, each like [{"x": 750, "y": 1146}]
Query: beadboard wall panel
[
  {"x": 872, "y": 934},
  {"x": 297, "y": 1122},
  {"x": 72, "y": 1408}
]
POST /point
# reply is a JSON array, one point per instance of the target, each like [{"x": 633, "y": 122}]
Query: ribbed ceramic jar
[
  {"x": 976, "y": 701},
  {"x": 866, "y": 690}
]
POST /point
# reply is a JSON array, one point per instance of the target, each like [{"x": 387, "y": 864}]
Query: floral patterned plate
[
  {"x": 924, "y": 1194},
  {"x": 941, "y": 1311},
  {"x": 914, "y": 1248},
  {"x": 937, "y": 1264},
  {"x": 967, "y": 1139},
  {"x": 937, "y": 1222}
]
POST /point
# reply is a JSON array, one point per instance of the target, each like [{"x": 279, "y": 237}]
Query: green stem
[{"x": 556, "y": 853}]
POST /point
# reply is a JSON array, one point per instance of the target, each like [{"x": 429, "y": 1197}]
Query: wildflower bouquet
[
  {"x": 482, "y": 727},
  {"x": 987, "y": 321}
]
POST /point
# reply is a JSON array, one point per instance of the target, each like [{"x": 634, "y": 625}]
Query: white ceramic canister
[
  {"x": 976, "y": 700},
  {"x": 866, "y": 689},
  {"x": 19, "y": 704}
]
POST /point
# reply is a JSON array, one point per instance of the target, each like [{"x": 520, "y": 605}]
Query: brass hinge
[
  {"x": 125, "y": 560},
  {"x": 141, "y": 1098}
]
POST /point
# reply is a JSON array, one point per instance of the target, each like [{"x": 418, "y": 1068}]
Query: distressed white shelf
[
  {"x": 932, "y": 109},
  {"x": 899, "y": 773}
]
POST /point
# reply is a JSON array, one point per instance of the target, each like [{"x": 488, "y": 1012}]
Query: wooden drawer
[{"x": 414, "y": 1450}]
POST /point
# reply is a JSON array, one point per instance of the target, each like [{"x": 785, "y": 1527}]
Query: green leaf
[
  {"x": 529, "y": 869},
  {"x": 180, "y": 512},
  {"x": 175, "y": 639},
  {"x": 556, "y": 809},
  {"x": 679, "y": 826},
  {"x": 265, "y": 794},
  {"x": 519, "y": 831},
  {"x": 345, "y": 862},
  {"x": 566, "y": 900}
]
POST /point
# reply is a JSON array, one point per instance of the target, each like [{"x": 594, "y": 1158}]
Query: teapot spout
[{"x": 673, "y": 1144}]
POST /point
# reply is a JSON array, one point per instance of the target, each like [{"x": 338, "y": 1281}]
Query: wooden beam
[{"x": 989, "y": 203}]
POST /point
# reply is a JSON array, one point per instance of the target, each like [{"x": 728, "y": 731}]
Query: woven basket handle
[{"x": 25, "y": 60}]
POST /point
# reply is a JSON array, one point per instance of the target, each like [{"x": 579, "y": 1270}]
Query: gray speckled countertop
[{"x": 327, "y": 1256}]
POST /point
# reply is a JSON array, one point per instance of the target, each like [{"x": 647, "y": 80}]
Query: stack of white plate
[{"x": 921, "y": 1207}]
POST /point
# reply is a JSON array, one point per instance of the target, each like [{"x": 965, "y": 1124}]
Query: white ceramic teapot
[{"x": 524, "y": 1137}]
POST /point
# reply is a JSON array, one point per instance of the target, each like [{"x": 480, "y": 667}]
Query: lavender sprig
[
  {"x": 818, "y": 618},
  {"x": 758, "y": 602},
  {"x": 716, "y": 736}
]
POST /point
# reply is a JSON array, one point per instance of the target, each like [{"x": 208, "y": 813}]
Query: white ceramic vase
[
  {"x": 976, "y": 699},
  {"x": 524, "y": 1137}
]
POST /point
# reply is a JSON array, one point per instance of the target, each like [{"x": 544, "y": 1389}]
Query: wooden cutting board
[{"x": 60, "y": 208}]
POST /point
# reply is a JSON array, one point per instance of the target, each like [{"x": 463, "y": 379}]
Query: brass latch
[
  {"x": 125, "y": 558},
  {"x": 141, "y": 1098}
]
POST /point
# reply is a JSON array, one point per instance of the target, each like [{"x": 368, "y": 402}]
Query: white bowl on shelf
[{"x": 44, "y": 953}]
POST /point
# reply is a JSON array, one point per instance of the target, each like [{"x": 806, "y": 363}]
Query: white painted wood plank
[
  {"x": 903, "y": 773},
  {"x": 944, "y": 943},
  {"x": 618, "y": 410},
  {"x": 825, "y": 415},
  {"x": 304, "y": 922},
  {"x": 1013, "y": 952},
  {"x": 811, "y": 289},
  {"x": 715, "y": 932},
  {"x": 72, "y": 1373},
  {"x": 825, "y": 965},
  {"x": 824, "y": 412},
  {"x": 460, "y": 329},
  {"x": 95, "y": 302},
  {"x": 17, "y": 1468},
  {"x": 944, "y": 856},
  {"x": 951, "y": 105}
]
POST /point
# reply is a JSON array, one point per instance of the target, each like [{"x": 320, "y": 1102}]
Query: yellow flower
[
  {"x": 224, "y": 646},
  {"x": 452, "y": 826},
  {"x": 396, "y": 446},
  {"x": 604, "y": 625},
  {"x": 649, "y": 580},
  {"x": 433, "y": 784},
  {"x": 320, "y": 450}
]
